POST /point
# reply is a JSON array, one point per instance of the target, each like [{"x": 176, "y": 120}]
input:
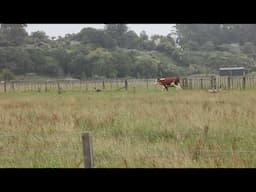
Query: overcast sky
[{"x": 62, "y": 29}]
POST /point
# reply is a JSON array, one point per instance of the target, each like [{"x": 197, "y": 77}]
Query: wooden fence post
[
  {"x": 244, "y": 81},
  {"x": 13, "y": 86},
  {"x": 214, "y": 82},
  {"x": 38, "y": 87},
  {"x": 59, "y": 88},
  {"x": 86, "y": 84},
  {"x": 126, "y": 84},
  {"x": 103, "y": 84},
  {"x": 87, "y": 150},
  {"x": 147, "y": 83},
  {"x": 80, "y": 84},
  {"x": 45, "y": 88},
  {"x": 228, "y": 82},
  {"x": 201, "y": 83},
  {"x": 190, "y": 83},
  {"x": 211, "y": 82},
  {"x": 5, "y": 86}
]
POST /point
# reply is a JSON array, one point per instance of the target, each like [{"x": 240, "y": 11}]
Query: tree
[
  {"x": 14, "y": 34},
  {"x": 123, "y": 62},
  {"x": 80, "y": 66},
  {"x": 39, "y": 36},
  {"x": 96, "y": 37},
  {"x": 117, "y": 32},
  {"x": 146, "y": 66},
  {"x": 51, "y": 67},
  {"x": 131, "y": 40},
  {"x": 208, "y": 46},
  {"x": 63, "y": 57},
  {"x": 102, "y": 61},
  {"x": 143, "y": 36},
  {"x": 249, "y": 48},
  {"x": 6, "y": 75}
]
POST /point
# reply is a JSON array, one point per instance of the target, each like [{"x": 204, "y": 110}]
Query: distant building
[{"x": 232, "y": 71}]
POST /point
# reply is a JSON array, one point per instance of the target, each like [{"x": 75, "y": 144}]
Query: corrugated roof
[{"x": 231, "y": 68}]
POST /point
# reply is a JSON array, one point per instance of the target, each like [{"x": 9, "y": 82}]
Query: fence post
[
  {"x": 80, "y": 84},
  {"x": 190, "y": 83},
  {"x": 87, "y": 150},
  {"x": 103, "y": 84},
  {"x": 45, "y": 86},
  {"x": 214, "y": 82},
  {"x": 211, "y": 82},
  {"x": 13, "y": 86},
  {"x": 38, "y": 87},
  {"x": 147, "y": 83},
  {"x": 201, "y": 83},
  {"x": 186, "y": 83},
  {"x": 111, "y": 84},
  {"x": 4, "y": 85},
  {"x": 126, "y": 84},
  {"x": 244, "y": 80},
  {"x": 59, "y": 89},
  {"x": 228, "y": 82}
]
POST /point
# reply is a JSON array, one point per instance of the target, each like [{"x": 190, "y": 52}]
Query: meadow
[{"x": 140, "y": 128}]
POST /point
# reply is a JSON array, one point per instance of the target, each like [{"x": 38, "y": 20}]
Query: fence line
[{"x": 209, "y": 82}]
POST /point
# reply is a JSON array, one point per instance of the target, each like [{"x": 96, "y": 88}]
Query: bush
[{"x": 6, "y": 75}]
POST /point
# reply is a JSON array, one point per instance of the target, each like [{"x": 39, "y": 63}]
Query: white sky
[{"x": 62, "y": 29}]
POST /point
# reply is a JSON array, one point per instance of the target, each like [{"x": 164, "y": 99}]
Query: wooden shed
[{"x": 232, "y": 71}]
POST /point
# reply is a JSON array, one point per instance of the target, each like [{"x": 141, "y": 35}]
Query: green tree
[
  {"x": 102, "y": 61},
  {"x": 96, "y": 37},
  {"x": 131, "y": 40},
  {"x": 146, "y": 66},
  {"x": 123, "y": 62},
  {"x": 117, "y": 32},
  {"x": 14, "y": 34},
  {"x": 6, "y": 75}
]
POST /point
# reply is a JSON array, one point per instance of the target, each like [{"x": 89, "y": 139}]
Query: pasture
[{"x": 140, "y": 128}]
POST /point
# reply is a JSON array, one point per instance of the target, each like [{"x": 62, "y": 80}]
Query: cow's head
[{"x": 157, "y": 81}]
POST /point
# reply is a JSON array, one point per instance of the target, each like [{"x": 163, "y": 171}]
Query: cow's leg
[{"x": 178, "y": 86}]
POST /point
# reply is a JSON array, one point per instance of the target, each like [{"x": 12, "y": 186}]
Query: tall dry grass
[{"x": 144, "y": 128}]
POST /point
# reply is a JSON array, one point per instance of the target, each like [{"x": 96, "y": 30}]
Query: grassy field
[{"x": 145, "y": 129}]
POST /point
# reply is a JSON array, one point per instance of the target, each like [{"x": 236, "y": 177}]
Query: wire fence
[{"x": 193, "y": 82}]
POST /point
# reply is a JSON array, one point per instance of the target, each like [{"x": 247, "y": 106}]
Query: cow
[{"x": 169, "y": 82}]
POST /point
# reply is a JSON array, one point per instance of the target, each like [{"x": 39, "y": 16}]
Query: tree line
[{"x": 118, "y": 52}]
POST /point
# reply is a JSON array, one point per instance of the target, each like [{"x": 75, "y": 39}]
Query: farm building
[{"x": 232, "y": 71}]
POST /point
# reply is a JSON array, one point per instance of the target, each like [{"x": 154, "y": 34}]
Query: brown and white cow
[{"x": 169, "y": 82}]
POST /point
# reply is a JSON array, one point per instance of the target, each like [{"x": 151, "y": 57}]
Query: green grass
[{"x": 145, "y": 128}]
